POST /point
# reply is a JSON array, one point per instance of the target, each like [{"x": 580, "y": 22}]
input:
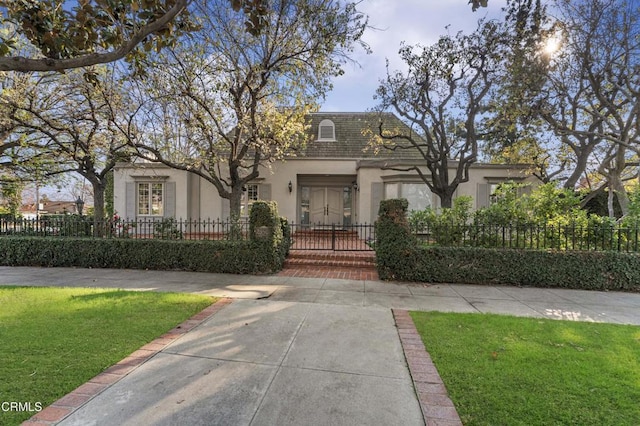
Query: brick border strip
[
  {"x": 71, "y": 402},
  {"x": 437, "y": 408}
]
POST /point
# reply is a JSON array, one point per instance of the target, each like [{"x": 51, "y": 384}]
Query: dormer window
[{"x": 326, "y": 131}]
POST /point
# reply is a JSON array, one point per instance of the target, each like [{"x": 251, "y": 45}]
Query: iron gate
[{"x": 358, "y": 237}]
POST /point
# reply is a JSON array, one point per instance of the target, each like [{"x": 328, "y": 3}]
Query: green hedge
[
  {"x": 395, "y": 246},
  {"x": 273, "y": 246},
  {"x": 255, "y": 256},
  {"x": 237, "y": 257},
  {"x": 400, "y": 257},
  {"x": 554, "y": 269}
]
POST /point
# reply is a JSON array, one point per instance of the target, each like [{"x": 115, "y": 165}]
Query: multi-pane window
[
  {"x": 150, "y": 199},
  {"x": 248, "y": 198},
  {"x": 417, "y": 194}
]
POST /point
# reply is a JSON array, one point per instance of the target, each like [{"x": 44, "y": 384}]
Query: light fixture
[
  {"x": 290, "y": 186},
  {"x": 355, "y": 185},
  {"x": 79, "y": 205}
]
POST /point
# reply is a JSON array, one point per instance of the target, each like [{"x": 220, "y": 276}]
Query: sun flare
[{"x": 552, "y": 45}]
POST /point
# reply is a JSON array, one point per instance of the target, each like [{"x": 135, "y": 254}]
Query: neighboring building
[
  {"x": 29, "y": 211},
  {"x": 337, "y": 178}
]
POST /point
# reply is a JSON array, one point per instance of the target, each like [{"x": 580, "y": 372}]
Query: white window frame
[
  {"x": 327, "y": 123},
  {"x": 150, "y": 201},
  {"x": 246, "y": 202}
]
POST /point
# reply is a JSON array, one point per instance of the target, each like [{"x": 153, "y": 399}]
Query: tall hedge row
[
  {"x": 588, "y": 270},
  {"x": 253, "y": 256},
  {"x": 205, "y": 256},
  {"x": 400, "y": 257}
]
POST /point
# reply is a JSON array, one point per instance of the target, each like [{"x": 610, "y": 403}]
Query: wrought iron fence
[
  {"x": 528, "y": 236},
  {"x": 356, "y": 237},
  {"x": 166, "y": 229}
]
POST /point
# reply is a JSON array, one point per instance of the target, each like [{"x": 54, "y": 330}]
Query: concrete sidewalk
[
  {"x": 295, "y": 351},
  {"x": 579, "y": 305},
  {"x": 269, "y": 363}
]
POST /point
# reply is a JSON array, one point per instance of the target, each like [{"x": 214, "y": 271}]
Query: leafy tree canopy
[{"x": 73, "y": 34}]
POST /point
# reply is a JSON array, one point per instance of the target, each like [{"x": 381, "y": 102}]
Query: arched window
[{"x": 326, "y": 131}]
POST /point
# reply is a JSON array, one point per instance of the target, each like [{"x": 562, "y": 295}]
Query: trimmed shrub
[
  {"x": 588, "y": 270},
  {"x": 400, "y": 257},
  {"x": 395, "y": 245},
  {"x": 261, "y": 254},
  {"x": 237, "y": 257},
  {"x": 267, "y": 235},
  {"x": 286, "y": 236}
]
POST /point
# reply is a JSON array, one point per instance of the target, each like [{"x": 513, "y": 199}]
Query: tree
[
  {"x": 11, "y": 194},
  {"x": 74, "y": 34},
  {"x": 225, "y": 105},
  {"x": 592, "y": 96},
  {"x": 475, "y": 4},
  {"x": 514, "y": 132},
  {"x": 442, "y": 97},
  {"x": 69, "y": 119}
]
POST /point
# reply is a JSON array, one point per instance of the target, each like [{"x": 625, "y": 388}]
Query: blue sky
[{"x": 412, "y": 21}]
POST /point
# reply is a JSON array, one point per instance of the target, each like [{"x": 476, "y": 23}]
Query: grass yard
[
  {"x": 502, "y": 370},
  {"x": 55, "y": 339}
]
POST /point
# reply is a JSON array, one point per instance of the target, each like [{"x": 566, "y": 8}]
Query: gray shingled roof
[{"x": 351, "y": 139}]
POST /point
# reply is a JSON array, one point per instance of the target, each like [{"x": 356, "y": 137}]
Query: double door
[{"x": 326, "y": 206}]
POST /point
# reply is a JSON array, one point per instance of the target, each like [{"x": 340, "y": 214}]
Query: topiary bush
[
  {"x": 395, "y": 244},
  {"x": 267, "y": 235}
]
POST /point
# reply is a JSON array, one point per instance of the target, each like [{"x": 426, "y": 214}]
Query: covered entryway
[
  {"x": 326, "y": 205},
  {"x": 326, "y": 200},
  {"x": 327, "y": 216}
]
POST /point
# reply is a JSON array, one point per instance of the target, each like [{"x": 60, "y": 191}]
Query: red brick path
[
  {"x": 352, "y": 265},
  {"x": 437, "y": 408},
  {"x": 69, "y": 403}
]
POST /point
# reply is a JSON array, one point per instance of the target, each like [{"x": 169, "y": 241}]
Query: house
[
  {"x": 337, "y": 178},
  {"x": 47, "y": 207}
]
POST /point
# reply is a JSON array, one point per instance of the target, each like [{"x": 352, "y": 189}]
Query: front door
[{"x": 325, "y": 206}]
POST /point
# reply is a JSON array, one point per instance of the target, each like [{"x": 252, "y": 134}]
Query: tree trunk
[
  {"x": 446, "y": 200},
  {"x": 610, "y": 202},
  {"x": 235, "y": 202},
  {"x": 618, "y": 188},
  {"x": 234, "y": 211},
  {"x": 98, "y": 209}
]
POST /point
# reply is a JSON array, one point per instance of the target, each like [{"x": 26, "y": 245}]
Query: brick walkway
[{"x": 356, "y": 265}]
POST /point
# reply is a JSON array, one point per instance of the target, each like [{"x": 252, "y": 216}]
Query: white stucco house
[{"x": 335, "y": 179}]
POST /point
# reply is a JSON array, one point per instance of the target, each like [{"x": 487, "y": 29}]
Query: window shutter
[
  {"x": 264, "y": 192},
  {"x": 169, "y": 199},
  {"x": 482, "y": 195},
  {"x": 130, "y": 201},
  {"x": 376, "y": 196}
]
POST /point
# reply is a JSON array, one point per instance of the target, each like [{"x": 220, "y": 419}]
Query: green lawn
[
  {"x": 52, "y": 340},
  {"x": 503, "y": 370}
]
